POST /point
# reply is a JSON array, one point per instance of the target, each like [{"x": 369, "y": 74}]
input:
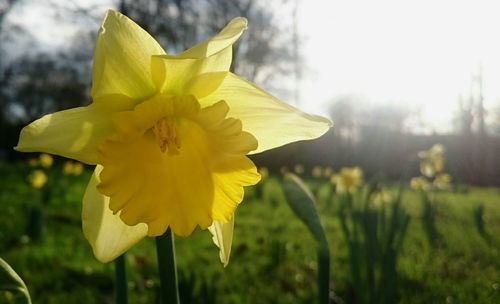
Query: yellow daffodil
[
  {"x": 264, "y": 172},
  {"x": 68, "y": 168},
  {"x": 432, "y": 166},
  {"x": 37, "y": 178},
  {"x": 46, "y": 160},
  {"x": 437, "y": 150},
  {"x": 432, "y": 160},
  {"x": 427, "y": 168},
  {"x": 72, "y": 168},
  {"x": 316, "y": 171},
  {"x": 442, "y": 181},
  {"x": 348, "y": 179},
  {"x": 77, "y": 168},
  {"x": 438, "y": 164},
  {"x": 419, "y": 183},
  {"x": 169, "y": 135},
  {"x": 380, "y": 197},
  {"x": 327, "y": 172},
  {"x": 299, "y": 169}
]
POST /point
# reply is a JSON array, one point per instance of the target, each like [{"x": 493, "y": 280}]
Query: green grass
[{"x": 273, "y": 254}]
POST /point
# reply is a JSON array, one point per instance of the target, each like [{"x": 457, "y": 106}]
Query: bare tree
[
  {"x": 6, "y": 32},
  {"x": 261, "y": 54},
  {"x": 464, "y": 117},
  {"x": 32, "y": 91},
  {"x": 5, "y": 7}
]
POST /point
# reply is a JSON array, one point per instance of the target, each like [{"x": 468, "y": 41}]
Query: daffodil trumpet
[{"x": 169, "y": 135}]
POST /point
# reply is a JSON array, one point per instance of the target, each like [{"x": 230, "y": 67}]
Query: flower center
[
  {"x": 166, "y": 134},
  {"x": 212, "y": 162}
]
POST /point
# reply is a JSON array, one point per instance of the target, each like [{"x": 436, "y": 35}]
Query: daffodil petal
[
  {"x": 222, "y": 236},
  {"x": 204, "y": 84},
  {"x": 73, "y": 133},
  {"x": 224, "y": 39},
  {"x": 108, "y": 235},
  {"x": 273, "y": 122},
  {"x": 229, "y": 178},
  {"x": 122, "y": 59},
  {"x": 173, "y": 75}
]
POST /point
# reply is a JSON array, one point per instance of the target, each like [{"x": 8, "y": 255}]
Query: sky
[{"x": 420, "y": 54}]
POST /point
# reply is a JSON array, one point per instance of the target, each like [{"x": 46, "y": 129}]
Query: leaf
[
  {"x": 10, "y": 281},
  {"x": 303, "y": 204}
]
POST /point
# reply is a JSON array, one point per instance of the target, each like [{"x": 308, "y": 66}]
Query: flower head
[
  {"x": 316, "y": 171},
  {"x": 432, "y": 160},
  {"x": 68, "y": 168},
  {"x": 72, "y": 168},
  {"x": 442, "y": 181},
  {"x": 37, "y": 179},
  {"x": 348, "y": 179},
  {"x": 432, "y": 167},
  {"x": 77, "y": 168},
  {"x": 46, "y": 160},
  {"x": 419, "y": 183},
  {"x": 380, "y": 197},
  {"x": 264, "y": 172},
  {"x": 327, "y": 172},
  {"x": 299, "y": 169},
  {"x": 169, "y": 135}
]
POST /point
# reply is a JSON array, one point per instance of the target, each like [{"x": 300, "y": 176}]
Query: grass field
[{"x": 273, "y": 255}]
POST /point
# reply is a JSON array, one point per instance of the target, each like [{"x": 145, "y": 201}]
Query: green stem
[
  {"x": 324, "y": 274},
  {"x": 165, "y": 249},
  {"x": 121, "y": 280}
]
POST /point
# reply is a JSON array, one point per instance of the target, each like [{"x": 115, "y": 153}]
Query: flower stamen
[{"x": 165, "y": 131}]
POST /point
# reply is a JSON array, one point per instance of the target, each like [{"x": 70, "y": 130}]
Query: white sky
[{"x": 421, "y": 53}]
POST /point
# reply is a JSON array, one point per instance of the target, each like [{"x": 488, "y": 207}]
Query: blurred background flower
[
  {"x": 37, "y": 179},
  {"x": 348, "y": 179},
  {"x": 46, "y": 160},
  {"x": 72, "y": 168},
  {"x": 419, "y": 183}
]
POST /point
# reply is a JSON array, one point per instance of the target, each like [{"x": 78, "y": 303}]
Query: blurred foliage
[
  {"x": 374, "y": 231},
  {"x": 432, "y": 168},
  {"x": 303, "y": 204},
  {"x": 12, "y": 287},
  {"x": 273, "y": 257}
]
